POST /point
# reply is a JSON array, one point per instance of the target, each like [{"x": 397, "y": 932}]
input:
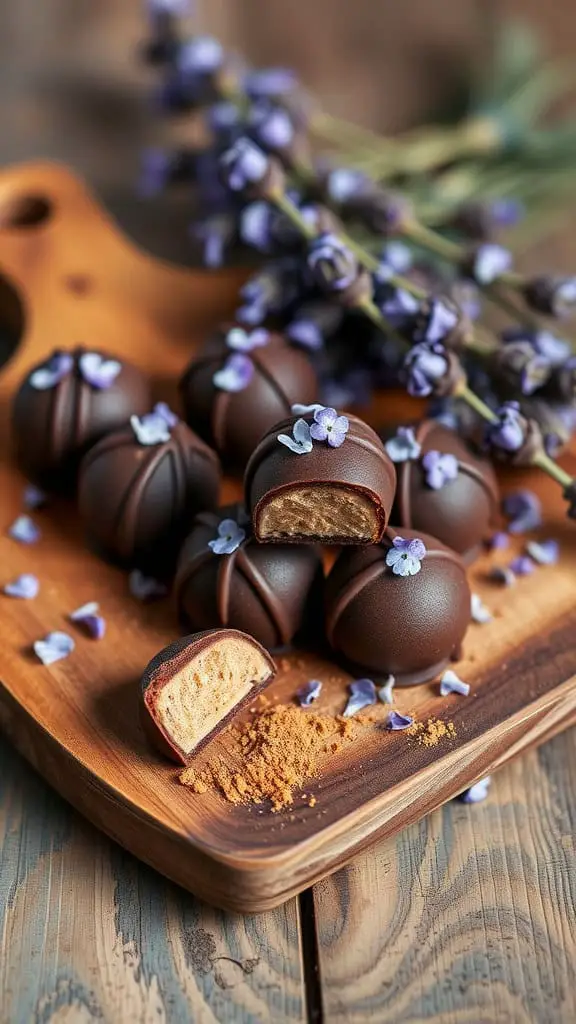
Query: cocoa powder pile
[{"x": 273, "y": 755}]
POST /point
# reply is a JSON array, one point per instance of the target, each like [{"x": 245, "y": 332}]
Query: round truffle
[
  {"x": 67, "y": 403},
  {"x": 384, "y": 622},
  {"x": 140, "y": 488},
  {"x": 268, "y": 590},
  {"x": 233, "y": 395},
  {"x": 453, "y": 499}
]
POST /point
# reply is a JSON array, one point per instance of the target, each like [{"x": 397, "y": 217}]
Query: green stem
[
  {"x": 552, "y": 468},
  {"x": 476, "y": 403}
]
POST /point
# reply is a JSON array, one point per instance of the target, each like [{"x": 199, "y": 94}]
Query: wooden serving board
[{"x": 70, "y": 278}]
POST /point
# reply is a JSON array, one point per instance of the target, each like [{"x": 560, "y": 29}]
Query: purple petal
[
  {"x": 546, "y": 552},
  {"x": 243, "y": 341},
  {"x": 524, "y": 509},
  {"x": 476, "y": 793},
  {"x": 98, "y": 371},
  {"x": 522, "y": 565},
  {"x": 397, "y": 722},
  {"x": 305, "y": 333},
  {"x": 305, "y": 410},
  {"x": 478, "y": 611},
  {"x": 499, "y": 541},
  {"x": 362, "y": 694},
  {"x": 150, "y": 429},
  {"x": 308, "y": 693},
  {"x": 451, "y": 683},
  {"x": 235, "y": 375},
  {"x": 326, "y": 416},
  {"x": 48, "y": 376},
  {"x": 416, "y": 548},
  {"x": 24, "y": 530},
  {"x": 490, "y": 261},
  {"x": 441, "y": 321},
  {"x": 25, "y": 586},
  {"x": 385, "y": 693},
  {"x": 403, "y": 446},
  {"x": 165, "y": 413},
  {"x": 145, "y": 588},
  {"x": 54, "y": 647},
  {"x": 33, "y": 497}
]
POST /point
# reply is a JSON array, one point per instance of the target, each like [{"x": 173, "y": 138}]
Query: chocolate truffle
[
  {"x": 140, "y": 488},
  {"x": 193, "y": 686},
  {"x": 443, "y": 488},
  {"x": 400, "y": 607},
  {"x": 320, "y": 476},
  {"x": 66, "y": 404},
  {"x": 243, "y": 383},
  {"x": 225, "y": 578}
]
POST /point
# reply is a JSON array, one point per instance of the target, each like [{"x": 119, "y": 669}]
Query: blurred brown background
[{"x": 71, "y": 86}]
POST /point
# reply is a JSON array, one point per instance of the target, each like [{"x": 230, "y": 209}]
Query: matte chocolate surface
[
  {"x": 267, "y": 590},
  {"x": 335, "y": 495},
  {"x": 138, "y": 502},
  {"x": 409, "y": 626},
  {"x": 234, "y": 422},
  {"x": 54, "y": 427}
]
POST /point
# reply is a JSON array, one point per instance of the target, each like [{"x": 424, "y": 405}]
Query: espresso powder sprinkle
[
  {"x": 429, "y": 733},
  {"x": 273, "y": 755}
]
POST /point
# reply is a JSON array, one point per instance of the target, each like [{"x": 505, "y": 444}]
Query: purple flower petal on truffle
[
  {"x": 439, "y": 469},
  {"x": 24, "y": 530},
  {"x": 524, "y": 509},
  {"x": 403, "y": 446},
  {"x": 329, "y": 426},
  {"x": 404, "y": 557},
  {"x": 398, "y": 722},
  {"x": 490, "y": 261},
  {"x": 244, "y": 341},
  {"x": 54, "y": 647},
  {"x": 502, "y": 574},
  {"x": 499, "y": 541},
  {"x": 165, "y": 413},
  {"x": 385, "y": 693},
  {"x": 97, "y": 371},
  {"x": 476, "y": 793},
  {"x": 301, "y": 442},
  {"x": 150, "y": 429},
  {"x": 25, "y": 586},
  {"x": 478, "y": 611},
  {"x": 48, "y": 376},
  {"x": 451, "y": 683},
  {"x": 145, "y": 588},
  {"x": 545, "y": 552},
  {"x": 362, "y": 694},
  {"x": 33, "y": 497},
  {"x": 236, "y": 373},
  {"x": 88, "y": 617},
  {"x": 305, "y": 410},
  {"x": 308, "y": 693},
  {"x": 230, "y": 537},
  {"x": 522, "y": 565}
]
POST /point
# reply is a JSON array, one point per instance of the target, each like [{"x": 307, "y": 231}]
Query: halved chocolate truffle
[
  {"x": 67, "y": 403},
  {"x": 140, "y": 488},
  {"x": 193, "y": 686},
  {"x": 320, "y": 477},
  {"x": 401, "y": 607},
  {"x": 243, "y": 383},
  {"x": 225, "y": 578},
  {"x": 443, "y": 488}
]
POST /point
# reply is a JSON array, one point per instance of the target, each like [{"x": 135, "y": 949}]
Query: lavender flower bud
[
  {"x": 430, "y": 369},
  {"x": 522, "y": 367},
  {"x": 553, "y": 296},
  {"x": 512, "y": 437},
  {"x": 334, "y": 269},
  {"x": 245, "y": 168},
  {"x": 439, "y": 318},
  {"x": 379, "y": 211}
]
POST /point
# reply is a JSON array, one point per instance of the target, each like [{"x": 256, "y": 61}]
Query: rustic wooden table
[{"x": 466, "y": 917}]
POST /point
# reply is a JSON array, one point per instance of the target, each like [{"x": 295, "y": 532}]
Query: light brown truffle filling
[
  {"x": 196, "y": 700},
  {"x": 322, "y": 512}
]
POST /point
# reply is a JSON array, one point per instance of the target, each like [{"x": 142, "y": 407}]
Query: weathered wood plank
[
  {"x": 88, "y": 932},
  {"x": 467, "y": 916}
]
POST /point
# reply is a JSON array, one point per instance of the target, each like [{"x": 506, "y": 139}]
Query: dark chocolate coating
[
  {"x": 461, "y": 513},
  {"x": 267, "y": 590},
  {"x": 138, "y": 502},
  {"x": 167, "y": 663},
  {"x": 53, "y": 429},
  {"x": 360, "y": 464},
  {"x": 233, "y": 423},
  {"x": 409, "y": 626}
]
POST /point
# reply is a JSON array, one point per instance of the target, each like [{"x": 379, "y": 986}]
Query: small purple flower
[
  {"x": 243, "y": 165},
  {"x": 508, "y": 431},
  {"x": 405, "y": 556},
  {"x": 502, "y": 574},
  {"x": 33, "y": 497},
  {"x": 53, "y": 647},
  {"x": 256, "y": 225},
  {"x": 25, "y": 586},
  {"x": 270, "y": 83},
  {"x": 490, "y": 261},
  {"x": 51, "y": 373},
  {"x": 343, "y": 184},
  {"x": 331, "y": 263},
  {"x": 522, "y": 565},
  {"x": 524, "y": 509},
  {"x": 199, "y": 56},
  {"x": 235, "y": 375},
  {"x": 398, "y": 722},
  {"x": 451, "y": 683},
  {"x": 308, "y": 693},
  {"x": 306, "y": 333},
  {"x": 403, "y": 446},
  {"x": 154, "y": 427},
  {"x": 271, "y": 126},
  {"x": 230, "y": 537},
  {"x": 301, "y": 441},
  {"x": 24, "y": 530},
  {"x": 476, "y": 793},
  {"x": 329, "y": 426},
  {"x": 441, "y": 319},
  {"x": 385, "y": 693},
  {"x": 145, "y": 588},
  {"x": 98, "y": 371},
  {"x": 499, "y": 541},
  {"x": 424, "y": 365},
  {"x": 546, "y": 552},
  {"x": 362, "y": 695},
  {"x": 478, "y": 611},
  {"x": 439, "y": 469},
  {"x": 245, "y": 341},
  {"x": 87, "y": 616}
]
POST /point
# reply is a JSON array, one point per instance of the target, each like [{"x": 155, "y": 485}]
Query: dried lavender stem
[{"x": 552, "y": 468}]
